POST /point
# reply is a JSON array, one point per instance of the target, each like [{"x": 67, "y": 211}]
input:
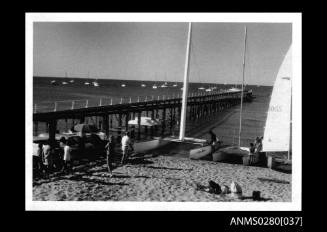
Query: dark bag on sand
[
  {"x": 214, "y": 187},
  {"x": 256, "y": 195}
]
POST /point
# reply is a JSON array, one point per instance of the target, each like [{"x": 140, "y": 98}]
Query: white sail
[{"x": 277, "y": 130}]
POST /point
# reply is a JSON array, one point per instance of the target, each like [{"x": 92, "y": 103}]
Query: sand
[{"x": 163, "y": 178}]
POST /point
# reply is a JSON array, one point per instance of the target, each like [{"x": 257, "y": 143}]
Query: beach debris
[
  {"x": 236, "y": 190},
  {"x": 225, "y": 189},
  {"x": 256, "y": 195},
  {"x": 214, "y": 187}
]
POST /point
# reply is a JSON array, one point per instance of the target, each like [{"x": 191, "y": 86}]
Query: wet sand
[{"x": 162, "y": 178}]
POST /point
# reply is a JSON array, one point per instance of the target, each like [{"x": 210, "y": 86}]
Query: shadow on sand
[
  {"x": 138, "y": 160},
  {"x": 250, "y": 197},
  {"x": 274, "y": 180},
  {"x": 85, "y": 179},
  {"x": 166, "y": 168}
]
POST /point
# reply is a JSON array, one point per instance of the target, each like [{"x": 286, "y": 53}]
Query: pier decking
[{"x": 167, "y": 110}]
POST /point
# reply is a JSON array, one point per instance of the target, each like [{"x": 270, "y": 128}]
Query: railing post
[
  {"x": 146, "y": 98},
  {"x": 111, "y": 101},
  {"x": 158, "y": 97},
  {"x": 138, "y": 98},
  {"x": 100, "y": 104},
  {"x": 55, "y": 107},
  {"x": 73, "y": 104},
  {"x": 152, "y": 97},
  {"x": 35, "y": 108},
  {"x": 121, "y": 100},
  {"x": 87, "y": 103},
  {"x": 130, "y": 100}
]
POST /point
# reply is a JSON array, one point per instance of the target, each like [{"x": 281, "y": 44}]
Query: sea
[{"x": 226, "y": 124}]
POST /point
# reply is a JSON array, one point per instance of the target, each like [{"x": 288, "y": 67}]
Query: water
[{"x": 225, "y": 124}]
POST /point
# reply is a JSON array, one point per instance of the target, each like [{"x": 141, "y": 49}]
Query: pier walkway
[{"x": 166, "y": 110}]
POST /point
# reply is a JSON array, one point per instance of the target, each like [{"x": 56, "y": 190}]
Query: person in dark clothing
[
  {"x": 110, "y": 151},
  {"x": 252, "y": 148},
  {"x": 213, "y": 138}
]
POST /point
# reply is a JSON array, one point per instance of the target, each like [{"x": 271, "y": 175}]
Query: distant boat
[
  {"x": 64, "y": 83},
  {"x": 71, "y": 81},
  {"x": 143, "y": 85},
  {"x": 154, "y": 86},
  {"x": 53, "y": 82},
  {"x": 234, "y": 89},
  {"x": 175, "y": 85},
  {"x": 86, "y": 83},
  {"x": 208, "y": 90},
  {"x": 95, "y": 83},
  {"x": 164, "y": 85},
  {"x": 123, "y": 85},
  {"x": 201, "y": 88}
]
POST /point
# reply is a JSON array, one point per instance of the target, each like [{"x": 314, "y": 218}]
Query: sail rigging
[
  {"x": 241, "y": 107},
  {"x": 185, "y": 85}
]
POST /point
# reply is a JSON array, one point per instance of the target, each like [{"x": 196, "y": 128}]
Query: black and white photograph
[{"x": 163, "y": 111}]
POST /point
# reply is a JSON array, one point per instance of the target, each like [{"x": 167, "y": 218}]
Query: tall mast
[
  {"x": 240, "y": 128},
  {"x": 185, "y": 85}
]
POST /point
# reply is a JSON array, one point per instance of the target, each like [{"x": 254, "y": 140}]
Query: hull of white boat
[
  {"x": 200, "y": 153},
  {"x": 142, "y": 147},
  {"x": 240, "y": 154}
]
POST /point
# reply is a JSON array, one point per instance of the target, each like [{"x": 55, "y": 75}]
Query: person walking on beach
[
  {"x": 126, "y": 144},
  {"x": 47, "y": 158},
  {"x": 213, "y": 138},
  {"x": 110, "y": 151},
  {"x": 67, "y": 156}
]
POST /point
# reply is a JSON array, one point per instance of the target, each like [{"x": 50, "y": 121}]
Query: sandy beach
[
  {"x": 162, "y": 178},
  {"x": 168, "y": 174}
]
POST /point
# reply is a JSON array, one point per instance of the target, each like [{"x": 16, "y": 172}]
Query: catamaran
[{"x": 237, "y": 151}]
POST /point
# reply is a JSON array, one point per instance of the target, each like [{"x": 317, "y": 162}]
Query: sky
[{"x": 156, "y": 50}]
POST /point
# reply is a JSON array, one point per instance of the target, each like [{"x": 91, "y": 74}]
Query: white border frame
[{"x": 294, "y": 18}]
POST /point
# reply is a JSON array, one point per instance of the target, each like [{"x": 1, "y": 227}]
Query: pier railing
[{"x": 43, "y": 107}]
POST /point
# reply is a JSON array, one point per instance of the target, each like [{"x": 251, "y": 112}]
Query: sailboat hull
[
  {"x": 200, "y": 153},
  {"x": 235, "y": 154}
]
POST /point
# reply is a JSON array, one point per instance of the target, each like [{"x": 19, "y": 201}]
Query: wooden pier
[{"x": 168, "y": 111}]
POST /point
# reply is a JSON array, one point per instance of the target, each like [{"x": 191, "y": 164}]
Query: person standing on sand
[
  {"x": 47, "y": 158},
  {"x": 67, "y": 156},
  {"x": 125, "y": 145},
  {"x": 110, "y": 151},
  {"x": 213, "y": 138},
  {"x": 258, "y": 144}
]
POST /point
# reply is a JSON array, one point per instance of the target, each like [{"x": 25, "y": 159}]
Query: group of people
[{"x": 50, "y": 157}]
